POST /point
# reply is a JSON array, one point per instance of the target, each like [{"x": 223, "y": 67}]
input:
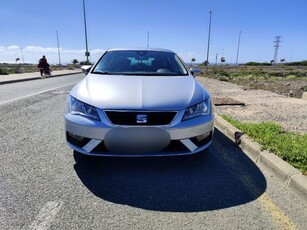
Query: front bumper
[{"x": 104, "y": 139}]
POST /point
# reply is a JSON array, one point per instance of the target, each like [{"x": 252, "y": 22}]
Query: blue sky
[{"x": 29, "y": 28}]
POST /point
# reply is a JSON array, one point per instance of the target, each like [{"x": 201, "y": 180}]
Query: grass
[{"x": 289, "y": 146}]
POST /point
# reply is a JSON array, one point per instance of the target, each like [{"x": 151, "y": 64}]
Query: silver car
[{"x": 139, "y": 102}]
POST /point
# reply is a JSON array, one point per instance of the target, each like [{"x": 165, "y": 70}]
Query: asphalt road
[
  {"x": 45, "y": 185},
  {"x": 10, "y": 92}
]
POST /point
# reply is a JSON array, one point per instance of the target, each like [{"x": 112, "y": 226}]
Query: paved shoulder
[{"x": 258, "y": 106}]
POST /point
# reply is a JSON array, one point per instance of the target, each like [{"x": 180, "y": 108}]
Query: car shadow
[{"x": 219, "y": 177}]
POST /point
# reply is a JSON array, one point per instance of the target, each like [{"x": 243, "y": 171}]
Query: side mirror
[
  {"x": 194, "y": 71},
  {"x": 86, "y": 69}
]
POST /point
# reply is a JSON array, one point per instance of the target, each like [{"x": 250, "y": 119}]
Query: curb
[
  {"x": 35, "y": 78},
  {"x": 289, "y": 177}
]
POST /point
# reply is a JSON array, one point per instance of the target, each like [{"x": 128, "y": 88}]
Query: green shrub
[
  {"x": 257, "y": 64},
  {"x": 223, "y": 78},
  {"x": 291, "y": 76},
  {"x": 300, "y": 63},
  {"x": 6, "y": 71},
  {"x": 221, "y": 72}
]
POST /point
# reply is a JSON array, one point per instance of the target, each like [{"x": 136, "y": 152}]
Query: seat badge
[{"x": 141, "y": 118}]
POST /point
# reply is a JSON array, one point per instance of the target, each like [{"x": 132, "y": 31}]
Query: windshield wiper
[
  {"x": 140, "y": 74},
  {"x": 103, "y": 72}
]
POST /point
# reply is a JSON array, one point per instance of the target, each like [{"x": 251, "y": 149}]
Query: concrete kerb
[
  {"x": 289, "y": 177},
  {"x": 35, "y": 78}
]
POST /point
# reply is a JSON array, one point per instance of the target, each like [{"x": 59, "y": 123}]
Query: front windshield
[{"x": 140, "y": 62}]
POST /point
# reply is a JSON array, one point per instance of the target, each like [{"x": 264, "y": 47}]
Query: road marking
[
  {"x": 280, "y": 219},
  {"x": 34, "y": 94},
  {"x": 46, "y": 215},
  {"x": 277, "y": 216}
]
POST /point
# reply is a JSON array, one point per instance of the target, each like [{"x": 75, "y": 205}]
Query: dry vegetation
[
  {"x": 27, "y": 68},
  {"x": 287, "y": 80}
]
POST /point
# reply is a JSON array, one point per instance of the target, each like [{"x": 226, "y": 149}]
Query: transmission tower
[{"x": 277, "y": 45}]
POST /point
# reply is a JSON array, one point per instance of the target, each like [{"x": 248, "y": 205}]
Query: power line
[{"x": 277, "y": 45}]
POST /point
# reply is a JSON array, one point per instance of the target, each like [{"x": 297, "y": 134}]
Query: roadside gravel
[{"x": 260, "y": 106}]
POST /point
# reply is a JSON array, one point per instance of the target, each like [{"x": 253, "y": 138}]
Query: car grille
[{"x": 147, "y": 118}]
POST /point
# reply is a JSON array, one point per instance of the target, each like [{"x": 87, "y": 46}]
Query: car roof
[{"x": 143, "y": 49}]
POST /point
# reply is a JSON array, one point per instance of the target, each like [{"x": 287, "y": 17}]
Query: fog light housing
[
  {"x": 76, "y": 137},
  {"x": 76, "y": 140}
]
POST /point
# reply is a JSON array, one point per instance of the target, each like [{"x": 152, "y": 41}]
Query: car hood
[{"x": 139, "y": 92}]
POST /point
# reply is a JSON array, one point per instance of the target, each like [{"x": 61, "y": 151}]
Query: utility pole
[
  {"x": 57, "y": 38},
  {"x": 210, "y": 12},
  {"x": 87, "y": 53},
  {"x": 238, "y": 48},
  {"x": 148, "y": 39},
  {"x": 216, "y": 58},
  {"x": 23, "y": 60},
  {"x": 277, "y": 45}
]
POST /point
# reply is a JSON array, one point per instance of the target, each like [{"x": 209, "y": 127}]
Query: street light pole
[
  {"x": 23, "y": 60},
  {"x": 57, "y": 38},
  {"x": 210, "y": 12},
  {"x": 238, "y": 48},
  {"x": 87, "y": 53}
]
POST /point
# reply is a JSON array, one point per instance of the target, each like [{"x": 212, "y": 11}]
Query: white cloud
[
  {"x": 187, "y": 56},
  {"x": 34, "y": 49},
  {"x": 97, "y": 51},
  {"x": 13, "y": 47},
  {"x": 190, "y": 55},
  {"x": 31, "y": 54}
]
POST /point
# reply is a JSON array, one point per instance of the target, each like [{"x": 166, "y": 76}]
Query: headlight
[
  {"x": 200, "y": 109},
  {"x": 77, "y": 107}
]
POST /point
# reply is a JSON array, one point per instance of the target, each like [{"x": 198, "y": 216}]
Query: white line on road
[
  {"x": 34, "y": 94},
  {"x": 46, "y": 215}
]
